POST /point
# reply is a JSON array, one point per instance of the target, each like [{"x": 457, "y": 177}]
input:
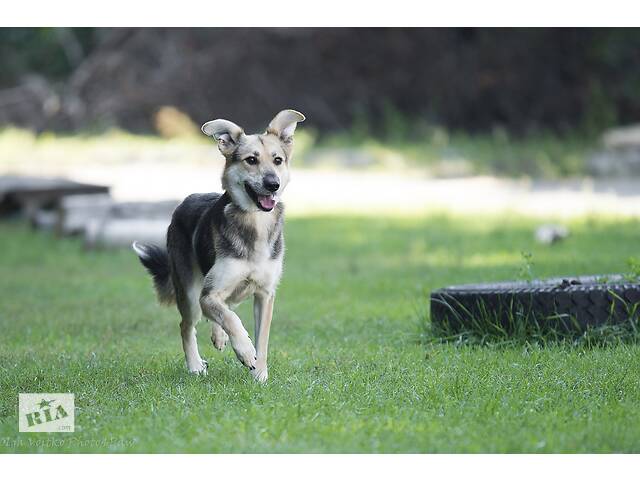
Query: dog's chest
[
  {"x": 259, "y": 269},
  {"x": 259, "y": 273},
  {"x": 262, "y": 269}
]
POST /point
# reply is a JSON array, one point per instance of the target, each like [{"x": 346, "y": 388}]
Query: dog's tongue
[{"x": 267, "y": 201}]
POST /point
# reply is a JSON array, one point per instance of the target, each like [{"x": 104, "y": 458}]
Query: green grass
[
  {"x": 353, "y": 365},
  {"x": 451, "y": 153},
  {"x": 434, "y": 150}
]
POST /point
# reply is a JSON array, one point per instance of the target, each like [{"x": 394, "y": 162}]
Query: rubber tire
[{"x": 564, "y": 304}]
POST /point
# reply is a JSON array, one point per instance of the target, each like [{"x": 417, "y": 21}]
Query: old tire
[{"x": 559, "y": 304}]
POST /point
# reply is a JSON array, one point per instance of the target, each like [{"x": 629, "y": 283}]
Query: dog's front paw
[
  {"x": 244, "y": 350},
  {"x": 199, "y": 367},
  {"x": 260, "y": 374}
]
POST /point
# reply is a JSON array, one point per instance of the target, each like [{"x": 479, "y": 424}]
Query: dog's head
[{"x": 256, "y": 171}]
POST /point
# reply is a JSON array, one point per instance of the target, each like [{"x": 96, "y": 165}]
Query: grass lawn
[
  {"x": 427, "y": 148},
  {"x": 352, "y": 365}
]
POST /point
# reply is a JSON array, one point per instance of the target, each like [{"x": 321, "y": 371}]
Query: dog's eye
[
  {"x": 251, "y": 160},
  {"x": 277, "y": 160}
]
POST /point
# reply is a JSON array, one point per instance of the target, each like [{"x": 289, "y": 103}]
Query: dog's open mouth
[{"x": 264, "y": 202}]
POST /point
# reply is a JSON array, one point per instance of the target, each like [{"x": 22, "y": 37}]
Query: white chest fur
[
  {"x": 263, "y": 271},
  {"x": 234, "y": 279}
]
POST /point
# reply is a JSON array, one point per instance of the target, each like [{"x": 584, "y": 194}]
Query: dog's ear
[
  {"x": 284, "y": 124},
  {"x": 225, "y": 132}
]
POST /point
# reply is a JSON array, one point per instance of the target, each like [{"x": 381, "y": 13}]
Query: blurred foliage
[
  {"x": 455, "y": 152},
  {"x": 50, "y": 52},
  {"x": 374, "y": 80}
]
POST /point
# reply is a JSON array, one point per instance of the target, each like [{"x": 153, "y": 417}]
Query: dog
[{"x": 224, "y": 247}]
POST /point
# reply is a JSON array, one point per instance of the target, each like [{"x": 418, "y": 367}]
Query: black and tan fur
[{"x": 223, "y": 248}]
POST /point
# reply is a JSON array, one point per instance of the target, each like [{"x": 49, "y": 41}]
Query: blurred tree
[
  {"x": 50, "y": 52},
  {"x": 379, "y": 79}
]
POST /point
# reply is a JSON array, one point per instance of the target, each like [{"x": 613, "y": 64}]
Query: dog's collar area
[{"x": 266, "y": 203}]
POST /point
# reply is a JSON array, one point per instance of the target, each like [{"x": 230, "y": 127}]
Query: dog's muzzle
[{"x": 266, "y": 203}]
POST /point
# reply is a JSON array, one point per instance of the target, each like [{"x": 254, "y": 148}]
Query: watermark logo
[{"x": 46, "y": 412}]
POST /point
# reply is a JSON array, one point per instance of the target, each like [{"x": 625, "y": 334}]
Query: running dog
[{"x": 222, "y": 248}]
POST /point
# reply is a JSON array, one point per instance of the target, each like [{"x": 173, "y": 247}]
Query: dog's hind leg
[
  {"x": 189, "y": 307},
  {"x": 219, "y": 337},
  {"x": 187, "y": 284}
]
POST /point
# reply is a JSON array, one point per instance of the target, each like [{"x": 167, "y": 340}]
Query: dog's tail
[{"x": 156, "y": 261}]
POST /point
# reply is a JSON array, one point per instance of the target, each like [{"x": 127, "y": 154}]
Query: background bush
[{"x": 469, "y": 78}]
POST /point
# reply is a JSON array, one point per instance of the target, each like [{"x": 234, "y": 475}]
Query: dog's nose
[{"x": 271, "y": 182}]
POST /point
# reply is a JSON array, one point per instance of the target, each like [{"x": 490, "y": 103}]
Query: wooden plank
[
  {"x": 30, "y": 194},
  {"x": 76, "y": 211},
  {"x": 149, "y": 210},
  {"x": 122, "y": 232}
]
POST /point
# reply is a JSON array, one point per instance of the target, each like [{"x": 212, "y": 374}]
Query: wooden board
[
  {"x": 121, "y": 232},
  {"x": 30, "y": 194}
]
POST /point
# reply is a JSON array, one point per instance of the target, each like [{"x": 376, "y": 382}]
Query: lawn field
[{"x": 353, "y": 364}]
